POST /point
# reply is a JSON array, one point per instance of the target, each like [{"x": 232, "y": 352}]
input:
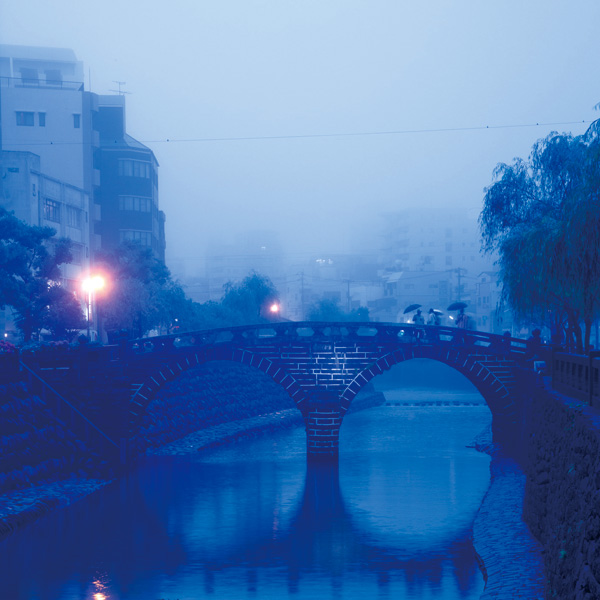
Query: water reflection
[{"x": 252, "y": 521}]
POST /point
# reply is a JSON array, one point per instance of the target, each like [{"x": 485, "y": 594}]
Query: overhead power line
[{"x": 320, "y": 135}]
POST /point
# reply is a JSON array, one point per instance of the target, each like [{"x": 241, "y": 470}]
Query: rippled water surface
[{"x": 251, "y": 521}]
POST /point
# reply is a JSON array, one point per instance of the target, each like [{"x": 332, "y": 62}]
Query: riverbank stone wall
[
  {"x": 36, "y": 447},
  {"x": 562, "y": 492}
]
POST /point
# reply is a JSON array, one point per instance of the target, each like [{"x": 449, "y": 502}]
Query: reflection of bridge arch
[
  {"x": 322, "y": 366},
  {"x": 323, "y": 530}
]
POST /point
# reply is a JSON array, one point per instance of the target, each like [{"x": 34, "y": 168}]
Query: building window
[
  {"x": 74, "y": 217},
  {"x": 24, "y": 119},
  {"x": 76, "y": 121},
  {"x": 143, "y": 237},
  {"x": 135, "y": 203},
  {"x": 53, "y": 77},
  {"x": 448, "y": 261},
  {"x": 52, "y": 210},
  {"x": 77, "y": 254},
  {"x": 29, "y": 76},
  {"x": 42, "y": 119},
  {"x": 134, "y": 168},
  {"x": 126, "y": 168}
]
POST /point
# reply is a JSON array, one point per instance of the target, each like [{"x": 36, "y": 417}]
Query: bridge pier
[{"x": 323, "y": 423}]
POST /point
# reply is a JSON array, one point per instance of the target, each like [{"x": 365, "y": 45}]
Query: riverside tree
[
  {"x": 141, "y": 294},
  {"x": 542, "y": 217},
  {"x": 30, "y": 278},
  {"x": 329, "y": 310}
]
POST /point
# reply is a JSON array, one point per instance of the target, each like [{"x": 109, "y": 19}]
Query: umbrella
[
  {"x": 411, "y": 307},
  {"x": 457, "y": 306},
  {"x": 437, "y": 312}
]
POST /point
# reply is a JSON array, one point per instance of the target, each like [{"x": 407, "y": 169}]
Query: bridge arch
[
  {"x": 490, "y": 377},
  {"x": 162, "y": 374}
]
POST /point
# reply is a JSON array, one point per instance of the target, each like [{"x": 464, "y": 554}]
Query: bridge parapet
[
  {"x": 577, "y": 376},
  {"x": 331, "y": 331}
]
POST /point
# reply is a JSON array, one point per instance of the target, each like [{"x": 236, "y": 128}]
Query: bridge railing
[
  {"x": 310, "y": 330},
  {"x": 577, "y": 376}
]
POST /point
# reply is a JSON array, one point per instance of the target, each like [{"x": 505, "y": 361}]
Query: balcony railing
[{"x": 46, "y": 84}]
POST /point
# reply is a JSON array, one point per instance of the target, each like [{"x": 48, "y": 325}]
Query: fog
[{"x": 242, "y": 103}]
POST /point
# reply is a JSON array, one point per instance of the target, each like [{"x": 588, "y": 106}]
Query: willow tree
[{"x": 541, "y": 217}]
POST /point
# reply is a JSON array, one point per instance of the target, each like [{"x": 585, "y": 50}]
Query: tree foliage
[
  {"x": 140, "y": 293},
  {"x": 243, "y": 303},
  {"x": 142, "y": 296},
  {"x": 329, "y": 310},
  {"x": 542, "y": 217},
  {"x": 30, "y": 277},
  {"x": 248, "y": 301}
]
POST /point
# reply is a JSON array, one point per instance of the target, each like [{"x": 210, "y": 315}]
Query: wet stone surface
[{"x": 511, "y": 557}]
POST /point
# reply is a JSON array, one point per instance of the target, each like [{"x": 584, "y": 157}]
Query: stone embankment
[
  {"x": 510, "y": 557},
  {"x": 562, "y": 494}
]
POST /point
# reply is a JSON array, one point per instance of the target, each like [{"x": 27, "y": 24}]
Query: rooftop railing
[{"x": 46, "y": 84}]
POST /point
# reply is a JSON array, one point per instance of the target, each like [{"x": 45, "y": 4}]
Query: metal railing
[{"x": 47, "y": 84}]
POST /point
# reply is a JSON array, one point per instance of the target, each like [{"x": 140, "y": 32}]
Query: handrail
[
  {"x": 290, "y": 329},
  {"x": 58, "y": 395}
]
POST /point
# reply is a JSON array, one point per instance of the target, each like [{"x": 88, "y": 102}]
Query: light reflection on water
[{"x": 250, "y": 521}]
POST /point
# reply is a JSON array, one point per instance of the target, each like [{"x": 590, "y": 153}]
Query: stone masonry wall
[
  {"x": 36, "y": 447},
  {"x": 562, "y": 493},
  {"x": 217, "y": 393}
]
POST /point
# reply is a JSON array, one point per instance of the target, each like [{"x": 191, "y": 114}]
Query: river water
[{"x": 252, "y": 521}]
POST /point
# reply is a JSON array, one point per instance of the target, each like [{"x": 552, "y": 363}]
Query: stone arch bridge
[{"x": 322, "y": 366}]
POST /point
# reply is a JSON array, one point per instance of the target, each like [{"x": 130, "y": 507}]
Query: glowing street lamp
[
  {"x": 91, "y": 285},
  {"x": 274, "y": 308}
]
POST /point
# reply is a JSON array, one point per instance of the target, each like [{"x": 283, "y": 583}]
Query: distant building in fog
[
  {"x": 258, "y": 251},
  {"x": 431, "y": 257}
]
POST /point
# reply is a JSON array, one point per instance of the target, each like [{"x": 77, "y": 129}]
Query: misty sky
[{"x": 223, "y": 69}]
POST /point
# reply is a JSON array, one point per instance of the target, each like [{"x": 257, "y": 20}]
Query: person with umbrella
[
  {"x": 462, "y": 320},
  {"x": 433, "y": 319},
  {"x": 418, "y": 319}
]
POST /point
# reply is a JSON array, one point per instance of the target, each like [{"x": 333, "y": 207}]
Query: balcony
[{"x": 18, "y": 82}]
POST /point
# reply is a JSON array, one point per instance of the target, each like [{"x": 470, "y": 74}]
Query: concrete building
[
  {"x": 41, "y": 200},
  {"x": 81, "y": 140},
  {"x": 126, "y": 197},
  {"x": 44, "y": 110}
]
